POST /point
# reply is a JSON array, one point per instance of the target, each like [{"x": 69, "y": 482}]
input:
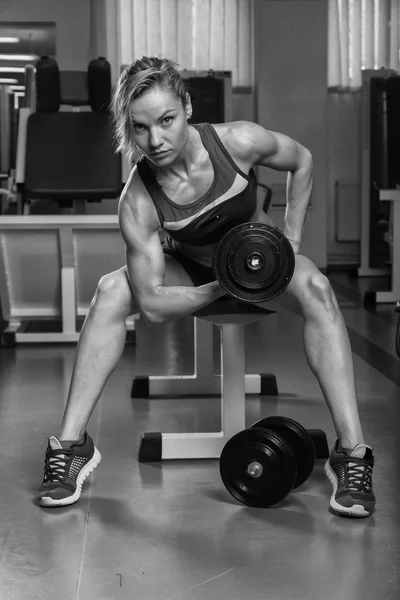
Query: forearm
[
  {"x": 298, "y": 193},
  {"x": 174, "y": 302}
]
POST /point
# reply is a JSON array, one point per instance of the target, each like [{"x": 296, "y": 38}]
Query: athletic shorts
[{"x": 198, "y": 273}]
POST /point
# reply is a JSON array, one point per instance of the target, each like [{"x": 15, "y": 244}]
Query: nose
[{"x": 155, "y": 139}]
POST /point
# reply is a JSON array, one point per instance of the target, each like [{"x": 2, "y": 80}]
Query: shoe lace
[
  {"x": 55, "y": 463},
  {"x": 359, "y": 476}
]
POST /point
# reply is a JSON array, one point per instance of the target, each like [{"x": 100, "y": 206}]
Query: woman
[{"x": 196, "y": 182}]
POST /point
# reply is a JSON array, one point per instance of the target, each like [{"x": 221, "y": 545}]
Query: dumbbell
[
  {"x": 254, "y": 262},
  {"x": 261, "y": 465}
]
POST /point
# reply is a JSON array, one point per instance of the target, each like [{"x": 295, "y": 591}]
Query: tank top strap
[
  {"x": 217, "y": 151},
  {"x": 151, "y": 185}
]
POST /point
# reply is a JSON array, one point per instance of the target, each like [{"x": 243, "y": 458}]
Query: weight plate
[
  {"x": 271, "y": 262},
  {"x": 257, "y": 467},
  {"x": 298, "y": 438},
  {"x": 231, "y": 257}
]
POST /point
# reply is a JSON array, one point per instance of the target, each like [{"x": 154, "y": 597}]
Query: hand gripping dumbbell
[
  {"x": 254, "y": 262},
  {"x": 260, "y": 466}
]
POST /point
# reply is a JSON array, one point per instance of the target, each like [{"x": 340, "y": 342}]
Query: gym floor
[{"x": 171, "y": 530}]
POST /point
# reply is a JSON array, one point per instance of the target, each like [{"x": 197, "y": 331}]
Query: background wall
[
  {"x": 344, "y": 173},
  {"x": 291, "y": 97}
]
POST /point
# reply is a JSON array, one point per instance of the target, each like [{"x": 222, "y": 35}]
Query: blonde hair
[{"x": 142, "y": 75}]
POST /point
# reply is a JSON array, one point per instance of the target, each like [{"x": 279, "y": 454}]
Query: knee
[
  {"x": 319, "y": 293},
  {"x": 112, "y": 290}
]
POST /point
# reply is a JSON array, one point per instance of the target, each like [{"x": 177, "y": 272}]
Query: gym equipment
[
  {"x": 374, "y": 170},
  {"x": 8, "y": 143},
  {"x": 380, "y": 179},
  {"x": 204, "y": 381},
  {"x": 392, "y": 196},
  {"x": 211, "y": 95},
  {"x": 298, "y": 438},
  {"x": 50, "y": 266},
  {"x": 99, "y": 84},
  {"x": 5, "y": 131},
  {"x": 230, "y": 317},
  {"x": 84, "y": 167},
  {"x": 397, "y": 309},
  {"x": 48, "y": 85},
  {"x": 260, "y": 466},
  {"x": 371, "y": 297},
  {"x": 254, "y": 262}
]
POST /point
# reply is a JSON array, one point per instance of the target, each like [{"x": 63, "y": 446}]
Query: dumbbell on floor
[{"x": 261, "y": 465}]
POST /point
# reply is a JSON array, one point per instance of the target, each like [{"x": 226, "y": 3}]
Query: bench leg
[
  {"x": 203, "y": 382},
  {"x": 162, "y": 446}
]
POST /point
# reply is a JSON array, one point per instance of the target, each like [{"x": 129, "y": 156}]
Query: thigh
[
  {"x": 175, "y": 273},
  {"x": 290, "y": 299},
  {"x": 198, "y": 274}
]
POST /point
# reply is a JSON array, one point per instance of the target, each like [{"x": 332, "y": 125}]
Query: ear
[{"x": 188, "y": 107}]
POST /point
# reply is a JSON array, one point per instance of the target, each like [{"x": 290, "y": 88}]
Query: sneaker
[
  {"x": 65, "y": 471},
  {"x": 350, "y": 473}
]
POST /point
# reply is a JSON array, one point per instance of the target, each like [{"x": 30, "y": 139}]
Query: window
[
  {"x": 362, "y": 34},
  {"x": 197, "y": 34}
]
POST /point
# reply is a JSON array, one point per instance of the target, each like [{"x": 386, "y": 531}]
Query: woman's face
[{"x": 159, "y": 123}]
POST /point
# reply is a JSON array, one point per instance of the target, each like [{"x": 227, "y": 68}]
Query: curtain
[
  {"x": 197, "y": 34},
  {"x": 362, "y": 34}
]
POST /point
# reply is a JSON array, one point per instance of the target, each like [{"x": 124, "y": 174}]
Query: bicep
[
  {"x": 144, "y": 254},
  {"x": 146, "y": 266}
]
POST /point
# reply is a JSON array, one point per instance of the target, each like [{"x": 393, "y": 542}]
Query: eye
[
  {"x": 167, "y": 120},
  {"x": 138, "y": 127}
]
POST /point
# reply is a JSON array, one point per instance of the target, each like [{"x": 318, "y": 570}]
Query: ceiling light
[
  {"x": 9, "y": 40},
  {"x": 12, "y": 70},
  {"x": 11, "y": 57}
]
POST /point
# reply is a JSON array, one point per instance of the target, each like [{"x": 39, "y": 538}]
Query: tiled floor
[{"x": 171, "y": 530}]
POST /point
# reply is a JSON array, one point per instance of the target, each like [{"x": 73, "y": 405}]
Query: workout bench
[
  {"x": 203, "y": 381},
  {"x": 231, "y": 317}
]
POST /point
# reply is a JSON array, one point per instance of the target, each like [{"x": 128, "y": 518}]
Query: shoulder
[
  {"x": 245, "y": 139},
  {"x": 135, "y": 204}
]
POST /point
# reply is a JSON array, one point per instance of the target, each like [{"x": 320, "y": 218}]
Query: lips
[{"x": 160, "y": 154}]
